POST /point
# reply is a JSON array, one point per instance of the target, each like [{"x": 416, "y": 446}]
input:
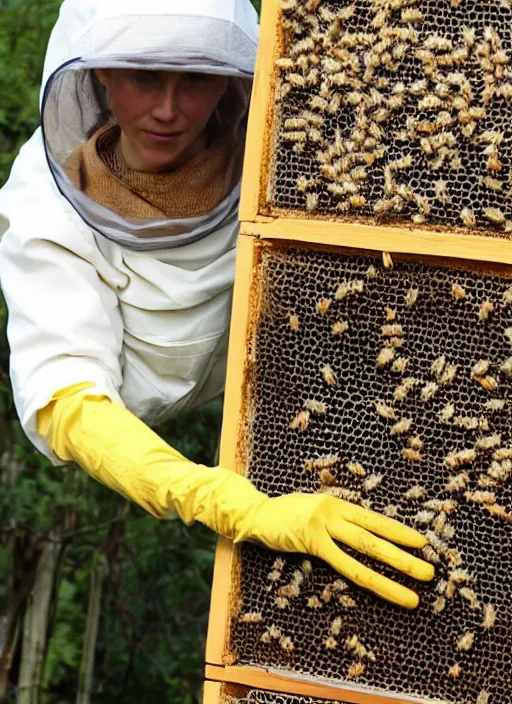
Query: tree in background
[{"x": 118, "y": 594}]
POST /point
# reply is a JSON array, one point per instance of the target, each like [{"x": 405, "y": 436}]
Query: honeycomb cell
[
  {"x": 458, "y": 491},
  {"x": 390, "y": 112}
]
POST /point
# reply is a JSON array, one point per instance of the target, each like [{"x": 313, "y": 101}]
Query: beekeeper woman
[{"x": 117, "y": 262}]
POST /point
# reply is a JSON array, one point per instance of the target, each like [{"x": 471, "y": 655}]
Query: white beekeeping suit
[
  {"x": 139, "y": 308},
  {"x": 117, "y": 320}
]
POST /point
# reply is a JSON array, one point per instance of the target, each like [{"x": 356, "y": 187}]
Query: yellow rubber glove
[{"x": 119, "y": 450}]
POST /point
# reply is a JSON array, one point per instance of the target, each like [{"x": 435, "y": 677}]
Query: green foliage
[{"x": 24, "y": 30}]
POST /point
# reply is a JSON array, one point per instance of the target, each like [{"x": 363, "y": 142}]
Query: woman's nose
[{"x": 165, "y": 108}]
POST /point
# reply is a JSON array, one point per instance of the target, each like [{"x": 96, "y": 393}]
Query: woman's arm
[
  {"x": 64, "y": 322},
  {"x": 122, "y": 452}
]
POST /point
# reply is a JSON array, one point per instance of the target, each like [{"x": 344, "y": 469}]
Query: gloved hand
[{"x": 119, "y": 450}]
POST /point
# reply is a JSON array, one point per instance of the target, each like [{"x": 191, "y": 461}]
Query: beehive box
[{"x": 384, "y": 380}]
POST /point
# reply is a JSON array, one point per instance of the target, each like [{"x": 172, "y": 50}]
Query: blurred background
[{"x": 73, "y": 543}]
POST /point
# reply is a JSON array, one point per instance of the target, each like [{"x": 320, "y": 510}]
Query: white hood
[
  {"x": 106, "y": 30},
  {"x": 212, "y": 36}
]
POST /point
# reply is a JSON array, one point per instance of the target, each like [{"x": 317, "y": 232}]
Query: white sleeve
[{"x": 64, "y": 324}]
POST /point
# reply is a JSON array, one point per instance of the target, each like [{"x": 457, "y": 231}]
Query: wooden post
[
  {"x": 85, "y": 680},
  {"x": 35, "y": 626}
]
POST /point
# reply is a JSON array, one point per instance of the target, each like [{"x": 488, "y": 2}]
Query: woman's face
[{"x": 162, "y": 114}]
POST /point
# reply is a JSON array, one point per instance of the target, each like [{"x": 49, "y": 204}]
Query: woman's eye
[
  {"x": 145, "y": 78},
  {"x": 193, "y": 77}
]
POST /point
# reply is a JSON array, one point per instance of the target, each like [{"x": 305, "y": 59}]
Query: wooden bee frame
[
  {"x": 260, "y": 230},
  {"x": 218, "y": 692}
]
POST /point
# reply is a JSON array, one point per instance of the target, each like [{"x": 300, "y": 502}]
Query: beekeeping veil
[{"x": 209, "y": 36}]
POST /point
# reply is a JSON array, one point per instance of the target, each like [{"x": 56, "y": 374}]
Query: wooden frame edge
[
  {"x": 262, "y": 679},
  {"x": 389, "y": 239},
  {"x": 218, "y": 623},
  {"x": 212, "y": 692},
  {"x": 258, "y": 136}
]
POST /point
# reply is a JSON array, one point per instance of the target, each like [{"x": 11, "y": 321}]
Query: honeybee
[
  {"x": 328, "y": 375},
  {"x": 294, "y": 322},
  {"x": 391, "y": 511},
  {"x": 439, "y": 605},
  {"x": 282, "y": 602},
  {"x": 441, "y": 190},
  {"x": 356, "y": 468},
  {"x": 323, "y": 305},
  {"x": 385, "y": 411},
  {"x": 339, "y": 327},
  {"x": 312, "y": 200},
  {"x": 495, "y": 216},
  {"x": 252, "y": 617},
  {"x": 385, "y": 356},
  {"x": 418, "y": 87},
  {"x": 323, "y": 462},
  {"x": 415, "y": 492},
  {"x": 489, "y": 618},
  {"x": 470, "y": 596},
  {"x": 431, "y": 555},
  {"x": 505, "y": 91},
  {"x": 317, "y": 407},
  {"x": 411, "y": 296},
  {"x": 455, "y": 671},
  {"x": 336, "y": 626},
  {"x": 480, "y": 497},
  {"x": 483, "y": 697},
  {"x": 301, "y": 421},
  {"x": 286, "y": 644},
  {"x": 372, "y": 482},
  {"x": 318, "y": 103},
  {"x": 466, "y": 641},
  {"x": 429, "y": 391},
  {"x": 457, "y": 291},
  {"x": 327, "y": 478},
  {"x": 429, "y": 102},
  {"x": 424, "y": 517},
  {"x": 294, "y": 135},
  {"x": 387, "y": 260},
  {"x": 456, "y": 459},
  {"x": 402, "y": 426},
  {"x": 314, "y": 602},
  {"x": 402, "y": 390},
  {"x": 485, "y": 309},
  {"x": 400, "y": 365},
  {"x": 296, "y": 80},
  {"x": 356, "y": 669}
]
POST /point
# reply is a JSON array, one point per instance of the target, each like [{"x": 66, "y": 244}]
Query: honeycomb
[
  {"x": 416, "y": 425},
  {"x": 394, "y": 110},
  {"x": 259, "y": 696}
]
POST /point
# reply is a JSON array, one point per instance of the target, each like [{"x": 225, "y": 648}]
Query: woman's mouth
[{"x": 162, "y": 136}]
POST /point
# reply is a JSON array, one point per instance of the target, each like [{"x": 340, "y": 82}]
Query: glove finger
[
  {"x": 382, "y": 525},
  {"x": 365, "y": 577},
  {"x": 369, "y": 544}
]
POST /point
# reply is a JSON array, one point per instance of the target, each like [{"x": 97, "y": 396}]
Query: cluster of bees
[
  {"x": 284, "y": 594},
  {"x": 433, "y": 514},
  {"x": 368, "y": 129}
]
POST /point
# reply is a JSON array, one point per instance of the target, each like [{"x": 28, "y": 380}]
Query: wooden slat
[
  {"x": 260, "y": 679},
  {"x": 232, "y": 418},
  {"x": 259, "y": 130},
  {"x": 212, "y": 692},
  {"x": 389, "y": 239}
]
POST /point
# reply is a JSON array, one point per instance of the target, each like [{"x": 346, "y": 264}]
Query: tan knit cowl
[{"x": 192, "y": 190}]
